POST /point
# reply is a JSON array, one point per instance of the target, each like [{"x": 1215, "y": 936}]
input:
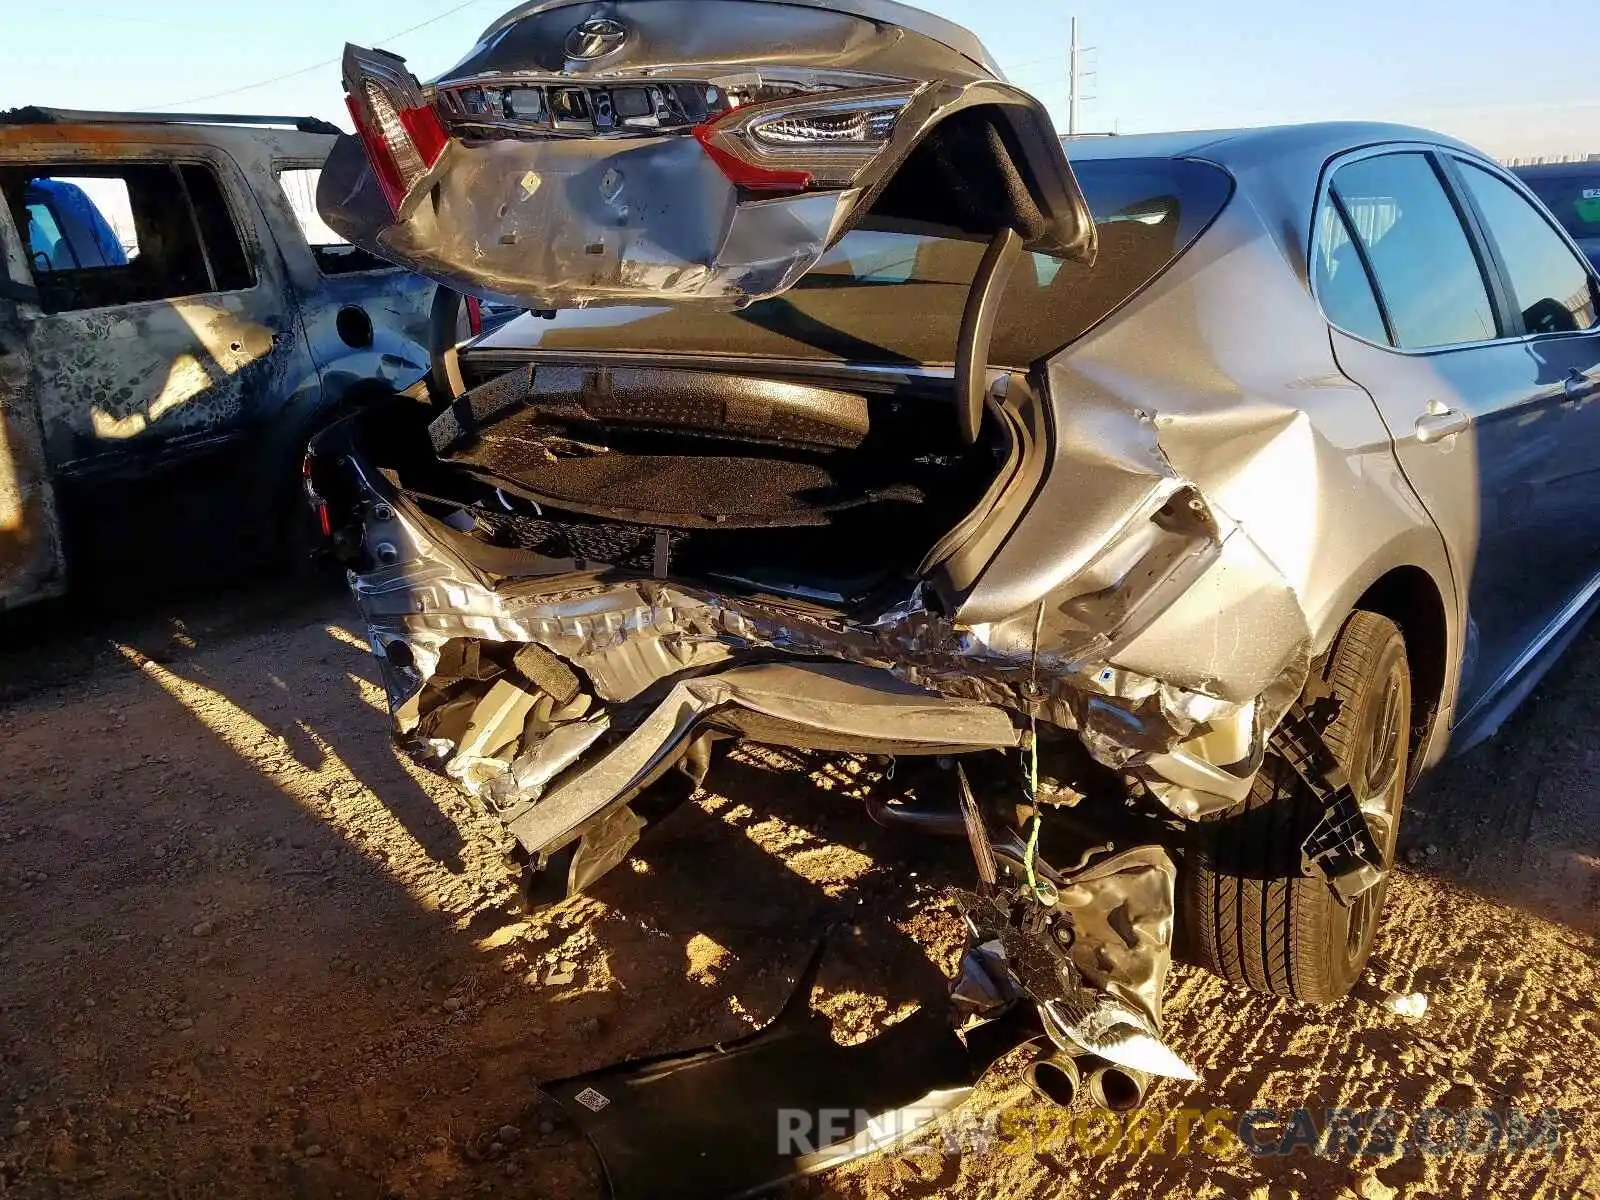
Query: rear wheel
[{"x": 1249, "y": 914}]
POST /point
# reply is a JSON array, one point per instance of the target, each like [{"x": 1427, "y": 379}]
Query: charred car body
[
  {"x": 925, "y": 443},
  {"x": 175, "y": 322}
]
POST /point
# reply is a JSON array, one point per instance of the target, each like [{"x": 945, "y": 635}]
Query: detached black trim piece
[{"x": 708, "y": 1124}]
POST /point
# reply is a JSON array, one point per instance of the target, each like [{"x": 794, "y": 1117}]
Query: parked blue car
[{"x": 66, "y": 230}]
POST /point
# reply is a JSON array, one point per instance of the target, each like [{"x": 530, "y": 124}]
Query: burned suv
[
  {"x": 862, "y": 421},
  {"x": 175, "y": 323}
]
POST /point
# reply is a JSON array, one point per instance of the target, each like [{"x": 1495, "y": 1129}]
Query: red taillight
[
  {"x": 323, "y": 521},
  {"x": 743, "y": 173},
  {"x": 395, "y": 118},
  {"x": 474, "y": 315}
]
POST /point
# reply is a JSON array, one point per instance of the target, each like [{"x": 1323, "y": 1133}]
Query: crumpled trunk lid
[{"x": 689, "y": 151}]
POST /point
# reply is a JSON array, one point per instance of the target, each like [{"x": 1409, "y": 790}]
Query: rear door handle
[
  {"x": 1577, "y": 385},
  {"x": 1440, "y": 422}
]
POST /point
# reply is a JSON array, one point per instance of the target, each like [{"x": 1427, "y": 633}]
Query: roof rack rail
[{"x": 36, "y": 115}]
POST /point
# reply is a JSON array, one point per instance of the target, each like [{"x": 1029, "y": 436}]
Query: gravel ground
[{"x": 247, "y": 950}]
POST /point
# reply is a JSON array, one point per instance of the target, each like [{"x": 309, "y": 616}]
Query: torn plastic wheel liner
[
  {"x": 743, "y": 1117},
  {"x": 692, "y": 150}
]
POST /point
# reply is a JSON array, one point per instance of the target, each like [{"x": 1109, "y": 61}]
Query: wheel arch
[{"x": 1409, "y": 597}]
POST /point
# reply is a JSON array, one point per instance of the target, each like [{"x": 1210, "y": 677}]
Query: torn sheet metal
[
  {"x": 417, "y": 606},
  {"x": 1122, "y": 916},
  {"x": 811, "y": 701},
  {"x": 431, "y": 596},
  {"x": 685, "y": 151},
  {"x": 530, "y": 773}
]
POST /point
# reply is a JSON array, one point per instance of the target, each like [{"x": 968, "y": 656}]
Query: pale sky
[{"x": 1514, "y": 79}]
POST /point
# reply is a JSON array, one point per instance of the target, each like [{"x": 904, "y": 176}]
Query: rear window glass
[
  {"x": 896, "y": 296},
  {"x": 1573, "y": 198}
]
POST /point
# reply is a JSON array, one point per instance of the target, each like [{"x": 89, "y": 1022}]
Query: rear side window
[
  {"x": 334, "y": 255},
  {"x": 129, "y": 233},
  {"x": 1548, "y": 281},
  {"x": 1341, "y": 281},
  {"x": 1146, "y": 213},
  {"x": 1427, "y": 275}
]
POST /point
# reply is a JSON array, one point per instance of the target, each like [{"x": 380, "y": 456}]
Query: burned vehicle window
[
  {"x": 855, "y": 303},
  {"x": 230, "y": 265},
  {"x": 126, "y": 234},
  {"x": 333, "y": 254}
]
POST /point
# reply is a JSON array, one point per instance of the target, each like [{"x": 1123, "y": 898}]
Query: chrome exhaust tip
[
  {"x": 1116, "y": 1088},
  {"x": 1055, "y": 1079}
]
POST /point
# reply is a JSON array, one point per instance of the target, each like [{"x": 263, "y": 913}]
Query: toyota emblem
[{"x": 596, "y": 38}]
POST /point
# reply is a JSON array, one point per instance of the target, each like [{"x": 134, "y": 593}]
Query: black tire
[{"x": 1248, "y": 913}]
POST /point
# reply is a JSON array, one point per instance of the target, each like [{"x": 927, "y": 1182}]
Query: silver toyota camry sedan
[{"x": 1174, "y": 501}]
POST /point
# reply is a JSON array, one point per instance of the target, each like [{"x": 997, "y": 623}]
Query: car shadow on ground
[{"x": 252, "y": 943}]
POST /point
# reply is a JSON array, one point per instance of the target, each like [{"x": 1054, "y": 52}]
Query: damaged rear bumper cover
[{"x": 558, "y": 697}]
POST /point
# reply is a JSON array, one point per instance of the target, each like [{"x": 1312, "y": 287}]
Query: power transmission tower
[{"x": 1076, "y": 76}]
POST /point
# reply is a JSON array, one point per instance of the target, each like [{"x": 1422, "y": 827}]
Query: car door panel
[
  {"x": 1479, "y": 485},
  {"x": 122, "y": 385},
  {"x": 1552, "y": 291},
  {"x": 1479, "y": 427}
]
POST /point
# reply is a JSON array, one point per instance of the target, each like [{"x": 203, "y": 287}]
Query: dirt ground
[{"x": 247, "y": 950}]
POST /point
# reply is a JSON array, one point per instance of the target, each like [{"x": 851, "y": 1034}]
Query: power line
[
  {"x": 1031, "y": 62},
  {"x": 250, "y": 87}
]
